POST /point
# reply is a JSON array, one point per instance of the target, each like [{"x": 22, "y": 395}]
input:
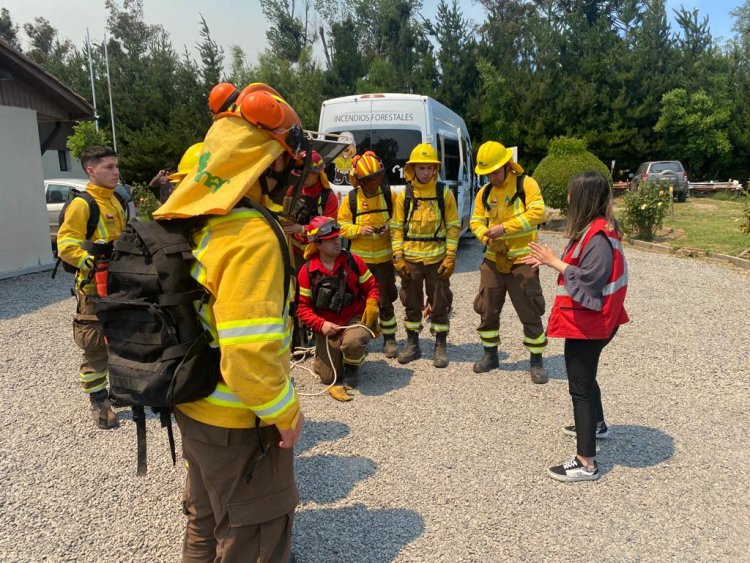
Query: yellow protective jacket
[
  {"x": 425, "y": 221},
  {"x": 238, "y": 260},
  {"x": 72, "y": 232},
  {"x": 372, "y": 211},
  {"x": 520, "y": 223}
]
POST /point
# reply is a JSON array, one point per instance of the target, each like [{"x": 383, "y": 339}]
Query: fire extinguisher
[{"x": 102, "y": 252}]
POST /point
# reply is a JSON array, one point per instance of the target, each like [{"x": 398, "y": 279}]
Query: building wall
[
  {"x": 51, "y": 165},
  {"x": 24, "y": 238}
]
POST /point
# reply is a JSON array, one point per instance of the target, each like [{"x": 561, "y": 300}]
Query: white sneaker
[{"x": 573, "y": 471}]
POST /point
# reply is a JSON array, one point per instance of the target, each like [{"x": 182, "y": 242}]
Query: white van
[{"x": 392, "y": 125}]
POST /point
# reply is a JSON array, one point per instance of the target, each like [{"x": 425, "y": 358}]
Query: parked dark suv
[{"x": 666, "y": 172}]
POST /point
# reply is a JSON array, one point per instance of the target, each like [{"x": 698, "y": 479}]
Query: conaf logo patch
[{"x": 204, "y": 177}]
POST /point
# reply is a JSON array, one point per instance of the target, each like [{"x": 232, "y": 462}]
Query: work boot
[
  {"x": 441, "y": 354},
  {"x": 536, "y": 369},
  {"x": 101, "y": 410},
  {"x": 488, "y": 362},
  {"x": 411, "y": 352},
  {"x": 339, "y": 393},
  {"x": 389, "y": 346},
  {"x": 351, "y": 376}
]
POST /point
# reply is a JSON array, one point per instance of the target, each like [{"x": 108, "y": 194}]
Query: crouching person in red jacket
[{"x": 336, "y": 293}]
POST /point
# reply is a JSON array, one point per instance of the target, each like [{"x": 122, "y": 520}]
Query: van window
[
  {"x": 57, "y": 193},
  {"x": 393, "y": 146},
  {"x": 450, "y": 157}
]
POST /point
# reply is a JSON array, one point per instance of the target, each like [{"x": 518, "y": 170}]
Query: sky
[{"x": 241, "y": 22}]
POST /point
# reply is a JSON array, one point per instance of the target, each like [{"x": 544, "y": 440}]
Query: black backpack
[
  {"x": 159, "y": 352},
  {"x": 409, "y": 208},
  {"x": 386, "y": 190},
  {"x": 91, "y": 223}
]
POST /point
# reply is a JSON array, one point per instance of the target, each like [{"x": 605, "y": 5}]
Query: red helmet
[
  {"x": 317, "y": 164},
  {"x": 322, "y": 228}
]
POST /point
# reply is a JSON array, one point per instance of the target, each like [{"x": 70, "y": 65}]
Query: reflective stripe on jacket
[
  {"x": 425, "y": 223},
  {"x": 371, "y": 211},
  {"x": 239, "y": 262},
  {"x": 520, "y": 223},
  {"x": 570, "y": 319},
  {"x": 72, "y": 232}
]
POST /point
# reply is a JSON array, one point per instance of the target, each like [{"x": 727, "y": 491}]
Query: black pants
[{"x": 581, "y": 363}]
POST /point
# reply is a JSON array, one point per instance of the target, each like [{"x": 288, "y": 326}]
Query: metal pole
[
  {"x": 91, "y": 76},
  {"x": 109, "y": 87}
]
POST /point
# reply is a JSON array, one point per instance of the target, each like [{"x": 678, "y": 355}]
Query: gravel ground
[{"x": 424, "y": 464}]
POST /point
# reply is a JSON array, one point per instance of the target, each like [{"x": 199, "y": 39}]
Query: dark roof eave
[{"x": 80, "y": 110}]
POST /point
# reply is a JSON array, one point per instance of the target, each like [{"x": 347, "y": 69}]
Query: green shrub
[
  {"x": 566, "y": 157},
  {"x": 745, "y": 225},
  {"x": 645, "y": 209},
  {"x": 145, "y": 201}
]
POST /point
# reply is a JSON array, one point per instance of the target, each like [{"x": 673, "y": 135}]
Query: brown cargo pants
[
  {"x": 437, "y": 292},
  {"x": 525, "y": 291},
  {"x": 385, "y": 275},
  {"x": 347, "y": 347},
  {"x": 230, "y": 519},
  {"x": 87, "y": 334}
]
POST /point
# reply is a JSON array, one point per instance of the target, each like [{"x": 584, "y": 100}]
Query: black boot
[
  {"x": 389, "y": 346},
  {"x": 101, "y": 410},
  {"x": 441, "y": 352},
  {"x": 488, "y": 362},
  {"x": 411, "y": 352},
  {"x": 536, "y": 369},
  {"x": 350, "y": 376}
]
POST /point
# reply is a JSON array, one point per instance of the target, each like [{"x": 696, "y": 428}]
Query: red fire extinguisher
[{"x": 102, "y": 265}]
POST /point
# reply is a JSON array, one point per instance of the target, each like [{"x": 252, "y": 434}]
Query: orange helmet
[
  {"x": 364, "y": 166},
  {"x": 222, "y": 97},
  {"x": 264, "y": 107}
]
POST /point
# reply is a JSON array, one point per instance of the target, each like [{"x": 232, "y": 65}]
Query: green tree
[
  {"x": 695, "y": 127},
  {"x": 288, "y": 35},
  {"x": 85, "y": 135},
  {"x": 9, "y": 30},
  {"x": 212, "y": 58}
]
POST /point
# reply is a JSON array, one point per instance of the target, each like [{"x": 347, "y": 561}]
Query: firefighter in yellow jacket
[
  {"x": 424, "y": 233},
  {"x": 74, "y": 248},
  {"x": 364, "y": 216},
  {"x": 506, "y": 213},
  {"x": 240, "y": 493}
]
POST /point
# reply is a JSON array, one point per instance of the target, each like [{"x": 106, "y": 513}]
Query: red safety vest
[{"x": 570, "y": 319}]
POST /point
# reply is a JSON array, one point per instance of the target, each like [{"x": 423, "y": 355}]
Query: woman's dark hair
[{"x": 589, "y": 197}]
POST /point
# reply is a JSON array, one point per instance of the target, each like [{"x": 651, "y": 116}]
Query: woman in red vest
[{"x": 587, "y": 310}]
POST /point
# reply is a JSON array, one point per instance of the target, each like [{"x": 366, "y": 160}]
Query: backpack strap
[
  {"x": 276, "y": 227},
  {"x": 353, "y": 204},
  {"x": 409, "y": 210},
  {"x": 91, "y": 223},
  {"x": 520, "y": 193}
]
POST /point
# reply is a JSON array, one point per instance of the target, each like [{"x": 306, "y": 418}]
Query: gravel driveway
[{"x": 424, "y": 464}]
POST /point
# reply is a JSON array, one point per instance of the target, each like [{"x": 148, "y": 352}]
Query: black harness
[
  {"x": 409, "y": 208},
  {"x": 332, "y": 293}
]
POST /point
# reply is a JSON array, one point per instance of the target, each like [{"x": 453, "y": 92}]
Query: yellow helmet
[
  {"x": 188, "y": 161},
  {"x": 491, "y": 156},
  {"x": 423, "y": 153}
]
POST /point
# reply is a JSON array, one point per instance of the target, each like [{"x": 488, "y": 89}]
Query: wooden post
[{"x": 671, "y": 201}]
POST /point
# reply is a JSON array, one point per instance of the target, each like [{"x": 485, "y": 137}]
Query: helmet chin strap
[{"x": 278, "y": 193}]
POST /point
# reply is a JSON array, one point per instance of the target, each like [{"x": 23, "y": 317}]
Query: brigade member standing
[
  {"x": 75, "y": 248},
  {"x": 506, "y": 213},
  {"x": 424, "y": 233},
  {"x": 364, "y": 216},
  {"x": 316, "y": 199},
  {"x": 336, "y": 290},
  {"x": 240, "y": 493}
]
